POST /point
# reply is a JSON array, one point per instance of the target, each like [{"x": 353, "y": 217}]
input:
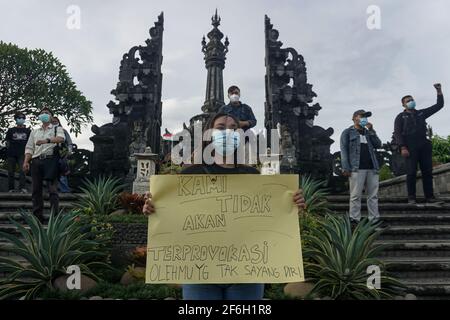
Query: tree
[{"x": 32, "y": 79}]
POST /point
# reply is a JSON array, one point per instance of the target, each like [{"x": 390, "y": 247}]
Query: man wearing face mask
[
  {"x": 359, "y": 162},
  {"x": 238, "y": 109},
  {"x": 44, "y": 162},
  {"x": 410, "y": 133},
  {"x": 16, "y": 139}
]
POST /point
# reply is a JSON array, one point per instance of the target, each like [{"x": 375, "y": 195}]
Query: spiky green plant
[
  {"x": 315, "y": 194},
  {"x": 47, "y": 252},
  {"x": 337, "y": 260},
  {"x": 100, "y": 196}
]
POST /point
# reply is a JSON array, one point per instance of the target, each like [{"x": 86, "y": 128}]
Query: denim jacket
[{"x": 351, "y": 148}]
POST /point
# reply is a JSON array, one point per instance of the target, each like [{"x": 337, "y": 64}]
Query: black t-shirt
[
  {"x": 216, "y": 169},
  {"x": 365, "y": 161},
  {"x": 17, "y": 138}
]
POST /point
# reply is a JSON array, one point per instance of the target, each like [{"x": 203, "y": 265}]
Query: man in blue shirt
[{"x": 238, "y": 109}]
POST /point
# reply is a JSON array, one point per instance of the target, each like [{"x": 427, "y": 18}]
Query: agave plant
[
  {"x": 100, "y": 196},
  {"x": 315, "y": 193},
  {"x": 47, "y": 252},
  {"x": 337, "y": 260}
]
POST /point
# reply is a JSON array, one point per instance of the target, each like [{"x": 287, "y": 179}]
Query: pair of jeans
[
  {"x": 422, "y": 155},
  {"x": 368, "y": 179},
  {"x": 239, "y": 291},
  {"x": 64, "y": 184},
  {"x": 13, "y": 162},
  {"x": 38, "y": 173}
]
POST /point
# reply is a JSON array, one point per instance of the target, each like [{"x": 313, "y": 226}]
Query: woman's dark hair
[{"x": 212, "y": 119}]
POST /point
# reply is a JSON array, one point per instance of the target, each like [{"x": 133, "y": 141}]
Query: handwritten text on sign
[{"x": 224, "y": 229}]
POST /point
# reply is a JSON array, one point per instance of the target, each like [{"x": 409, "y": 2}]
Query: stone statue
[{"x": 305, "y": 147}]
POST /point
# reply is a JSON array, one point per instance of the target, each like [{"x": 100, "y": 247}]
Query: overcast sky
[{"x": 349, "y": 66}]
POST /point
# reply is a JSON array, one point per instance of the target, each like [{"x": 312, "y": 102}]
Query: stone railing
[{"x": 396, "y": 187}]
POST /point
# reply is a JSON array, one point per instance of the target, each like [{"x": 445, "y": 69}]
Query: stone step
[
  {"x": 411, "y": 213},
  {"x": 395, "y": 207},
  {"x": 7, "y": 196},
  {"x": 5, "y": 245},
  {"x": 412, "y": 218},
  {"x": 425, "y": 218},
  {"x": 424, "y": 287},
  {"x": 8, "y": 206},
  {"x": 4, "y": 216},
  {"x": 11, "y": 229},
  {"x": 404, "y": 200},
  {"x": 415, "y": 248},
  {"x": 416, "y": 232},
  {"x": 418, "y": 267}
]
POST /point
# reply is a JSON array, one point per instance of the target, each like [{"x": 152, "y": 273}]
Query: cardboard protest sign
[{"x": 224, "y": 229}]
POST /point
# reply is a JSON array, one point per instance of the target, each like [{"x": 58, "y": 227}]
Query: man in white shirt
[{"x": 44, "y": 162}]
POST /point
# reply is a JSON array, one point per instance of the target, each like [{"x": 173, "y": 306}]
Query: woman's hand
[
  {"x": 299, "y": 200},
  {"x": 148, "y": 208}
]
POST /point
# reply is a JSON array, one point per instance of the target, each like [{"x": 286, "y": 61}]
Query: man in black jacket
[{"x": 410, "y": 132}]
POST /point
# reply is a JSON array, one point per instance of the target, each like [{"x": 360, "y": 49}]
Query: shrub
[
  {"x": 308, "y": 224},
  {"x": 135, "y": 291},
  {"x": 337, "y": 260},
  {"x": 47, "y": 253},
  {"x": 441, "y": 149},
  {"x": 100, "y": 196},
  {"x": 132, "y": 202},
  {"x": 315, "y": 194},
  {"x": 385, "y": 173},
  {"x": 129, "y": 218},
  {"x": 139, "y": 256},
  {"x": 170, "y": 168}
]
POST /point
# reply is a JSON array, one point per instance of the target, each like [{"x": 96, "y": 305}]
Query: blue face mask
[
  {"x": 44, "y": 117},
  {"x": 20, "y": 121},
  {"x": 411, "y": 105},
  {"x": 225, "y": 141},
  {"x": 363, "y": 122}
]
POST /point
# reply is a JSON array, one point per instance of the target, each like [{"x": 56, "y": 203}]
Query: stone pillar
[{"x": 146, "y": 167}]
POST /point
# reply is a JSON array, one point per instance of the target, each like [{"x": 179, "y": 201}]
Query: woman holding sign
[{"x": 225, "y": 141}]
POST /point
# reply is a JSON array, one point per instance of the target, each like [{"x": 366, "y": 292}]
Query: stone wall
[
  {"x": 396, "y": 187},
  {"x": 126, "y": 238}
]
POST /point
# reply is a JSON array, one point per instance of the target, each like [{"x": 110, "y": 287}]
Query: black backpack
[{"x": 61, "y": 150}]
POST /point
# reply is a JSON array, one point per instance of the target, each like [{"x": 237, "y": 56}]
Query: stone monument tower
[{"x": 215, "y": 55}]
